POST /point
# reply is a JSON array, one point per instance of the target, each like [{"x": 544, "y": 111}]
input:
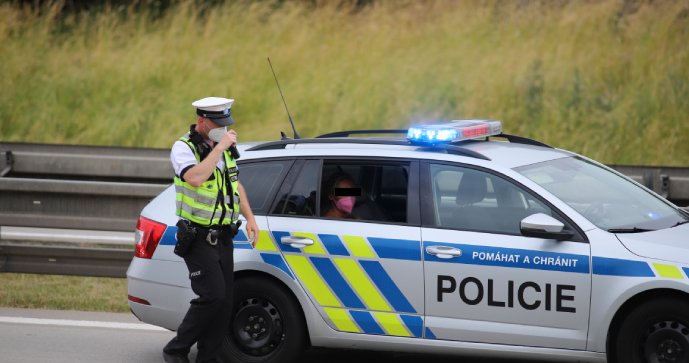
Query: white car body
[{"x": 413, "y": 287}]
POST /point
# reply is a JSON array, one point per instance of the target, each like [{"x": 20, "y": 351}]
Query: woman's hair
[{"x": 334, "y": 180}]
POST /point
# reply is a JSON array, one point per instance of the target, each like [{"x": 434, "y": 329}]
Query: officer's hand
[
  {"x": 229, "y": 139},
  {"x": 252, "y": 231}
]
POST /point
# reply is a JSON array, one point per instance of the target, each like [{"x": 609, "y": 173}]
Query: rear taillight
[
  {"x": 138, "y": 300},
  {"x": 148, "y": 234}
]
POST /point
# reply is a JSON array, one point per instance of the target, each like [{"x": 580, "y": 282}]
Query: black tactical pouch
[
  {"x": 186, "y": 235},
  {"x": 234, "y": 228}
]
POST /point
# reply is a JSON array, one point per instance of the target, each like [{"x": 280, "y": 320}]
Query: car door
[
  {"x": 364, "y": 274},
  {"x": 261, "y": 180},
  {"x": 487, "y": 283}
]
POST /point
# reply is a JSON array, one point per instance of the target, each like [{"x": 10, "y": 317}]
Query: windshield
[{"x": 608, "y": 200}]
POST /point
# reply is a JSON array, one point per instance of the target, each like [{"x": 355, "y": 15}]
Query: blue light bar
[{"x": 453, "y": 131}]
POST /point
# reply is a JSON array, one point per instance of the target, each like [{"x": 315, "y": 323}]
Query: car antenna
[{"x": 296, "y": 135}]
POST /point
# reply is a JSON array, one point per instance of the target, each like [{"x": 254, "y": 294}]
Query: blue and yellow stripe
[
  {"x": 374, "y": 248},
  {"x": 345, "y": 276},
  {"x": 333, "y": 244},
  {"x": 667, "y": 271},
  {"x": 387, "y": 286},
  {"x": 337, "y": 283},
  {"x": 378, "y": 323},
  {"x": 340, "y": 271}
]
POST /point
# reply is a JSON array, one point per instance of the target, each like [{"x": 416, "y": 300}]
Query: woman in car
[{"x": 341, "y": 196}]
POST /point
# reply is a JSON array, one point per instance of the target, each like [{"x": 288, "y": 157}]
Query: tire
[
  {"x": 267, "y": 324},
  {"x": 655, "y": 332}
]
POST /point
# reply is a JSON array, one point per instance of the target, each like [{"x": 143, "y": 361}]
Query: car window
[
  {"x": 377, "y": 190},
  {"x": 605, "y": 198},
  {"x": 301, "y": 196},
  {"x": 469, "y": 199},
  {"x": 261, "y": 180}
]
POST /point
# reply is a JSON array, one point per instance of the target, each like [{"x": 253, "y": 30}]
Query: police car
[{"x": 462, "y": 240}]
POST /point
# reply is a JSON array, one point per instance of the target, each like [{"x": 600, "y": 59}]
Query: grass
[
  {"x": 609, "y": 78},
  {"x": 63, "y": 292}
]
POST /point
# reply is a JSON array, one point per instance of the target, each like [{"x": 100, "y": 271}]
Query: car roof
[
  {"x": 514, "y": 155},
  {"x": 517, "y": 152}
]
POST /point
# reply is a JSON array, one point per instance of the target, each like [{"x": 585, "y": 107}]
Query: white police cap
[{"x": 215, "y": 108}]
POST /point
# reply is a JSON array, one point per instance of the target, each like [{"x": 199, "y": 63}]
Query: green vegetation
[
  {"x": 609, "y": 79},
  {"x": 63, "y": 292}
]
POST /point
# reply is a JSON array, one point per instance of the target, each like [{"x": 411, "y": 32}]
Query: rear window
[{"x": 261, "y": 180}]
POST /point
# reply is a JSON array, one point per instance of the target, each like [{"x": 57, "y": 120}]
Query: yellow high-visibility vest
[{"x": 204, "y": 204}]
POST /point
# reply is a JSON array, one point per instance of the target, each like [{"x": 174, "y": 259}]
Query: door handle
[
  {"x": 296, "y": 241},
  {"x": 443, "y": 251}
]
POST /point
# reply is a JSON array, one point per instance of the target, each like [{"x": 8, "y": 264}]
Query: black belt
[
  {"x": 212, "y": 226},
  {"x": 213, "y": 232}
]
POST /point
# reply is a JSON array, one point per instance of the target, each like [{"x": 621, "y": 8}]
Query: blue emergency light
[{"x": 453, "y": 131}]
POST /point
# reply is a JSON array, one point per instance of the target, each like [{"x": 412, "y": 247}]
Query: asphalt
[{"x": 56, "y": 336}]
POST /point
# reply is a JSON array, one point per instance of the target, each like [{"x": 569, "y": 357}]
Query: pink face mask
[{"x": 345, "y": 204}]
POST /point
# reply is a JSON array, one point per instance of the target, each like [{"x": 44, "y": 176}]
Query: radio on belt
[{"x": 453, "y": 131}]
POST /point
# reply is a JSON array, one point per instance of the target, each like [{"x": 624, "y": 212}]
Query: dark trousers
[{"x": 207, "y": 321}]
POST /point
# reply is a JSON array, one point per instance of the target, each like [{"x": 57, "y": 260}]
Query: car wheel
[
  {"x": 655, "y": 332},
  {"x": 267, "y": 324}
]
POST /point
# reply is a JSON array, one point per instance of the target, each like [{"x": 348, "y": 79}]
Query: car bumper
[{"x": 158, "y": 283}]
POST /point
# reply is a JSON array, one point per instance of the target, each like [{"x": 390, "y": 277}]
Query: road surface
[{"x": 33, "y": 335}]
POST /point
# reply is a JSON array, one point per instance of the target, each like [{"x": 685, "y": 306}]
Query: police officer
[{"x": 209, "y": 198}]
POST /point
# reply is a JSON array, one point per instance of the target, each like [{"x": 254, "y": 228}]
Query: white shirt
[{"x": 182, "y": 157}]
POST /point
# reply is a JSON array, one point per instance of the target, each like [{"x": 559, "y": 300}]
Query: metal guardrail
[
  {"x": 79, "y": 187},
  {"x": 108, "y": 206},
  {"x": 68, "y": 237},
  {"x": 102, "y": 189},
  {"x": 669, "y": 182},
  {"x": 83, "y": 162},
  {"x": 65, "y": 252},
  {"x": 99, "y": 262},
  {"x": 105, "y": 188}
]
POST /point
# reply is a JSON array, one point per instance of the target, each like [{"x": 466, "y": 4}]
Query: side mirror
[{"x": 541, "y": 225}]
